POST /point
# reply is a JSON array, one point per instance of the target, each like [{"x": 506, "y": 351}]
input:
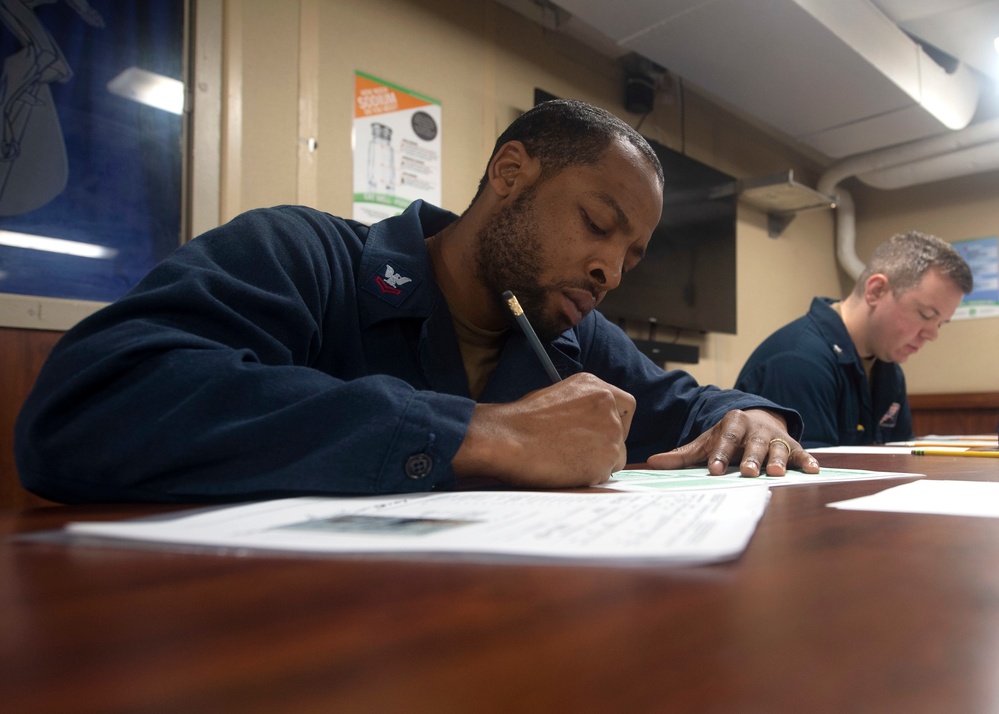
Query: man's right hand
[{"x": 568, "y": 435}]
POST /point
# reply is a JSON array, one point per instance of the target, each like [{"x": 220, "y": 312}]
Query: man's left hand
[{"x": 759, "y": 435}]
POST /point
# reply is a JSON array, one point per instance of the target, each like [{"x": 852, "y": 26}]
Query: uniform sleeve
[
  {"x": 672, "y": 408},
  {"x": 211, "y": 381},
  {"x": 804, "y": 384}
]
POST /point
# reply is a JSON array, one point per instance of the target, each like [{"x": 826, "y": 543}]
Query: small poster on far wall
[
  {"x": 397, "y": 149},
  {"x": 982, "y": 254}
]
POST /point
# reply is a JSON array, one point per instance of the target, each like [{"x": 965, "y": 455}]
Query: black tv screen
[{"x": 687, "y": 279}]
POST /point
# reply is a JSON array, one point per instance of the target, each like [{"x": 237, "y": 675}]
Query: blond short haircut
[{"x": 904, "y": 259}]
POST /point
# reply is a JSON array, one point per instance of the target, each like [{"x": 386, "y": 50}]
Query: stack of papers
[
  {"x": 682, "y": 517},
  {"x": 682, "y": 527}
]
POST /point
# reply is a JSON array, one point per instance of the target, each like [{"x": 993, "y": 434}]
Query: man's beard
[{"x": 510, "y": 256}]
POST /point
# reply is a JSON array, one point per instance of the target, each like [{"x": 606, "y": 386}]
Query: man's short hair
[
  {"x": 561, "y": 133},
  {"x": 905, "y": 257}
]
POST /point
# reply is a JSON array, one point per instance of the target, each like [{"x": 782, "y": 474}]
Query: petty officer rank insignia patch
[{"x": 390, "y": 284}]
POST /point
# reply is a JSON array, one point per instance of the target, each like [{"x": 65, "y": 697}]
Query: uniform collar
[
  {"x": 396, "y": 277},
  {"x": 834, "y": 329},
  {"x": 396, "y": 281}
]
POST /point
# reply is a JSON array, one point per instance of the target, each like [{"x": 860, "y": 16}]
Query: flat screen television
[{"x": 687, "y": 279}]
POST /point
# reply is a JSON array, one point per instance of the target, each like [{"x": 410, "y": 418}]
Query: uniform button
[{"x": 418, "y": 465}]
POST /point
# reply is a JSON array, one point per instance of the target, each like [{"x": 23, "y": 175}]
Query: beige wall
[{"x": 482, "y": 61}]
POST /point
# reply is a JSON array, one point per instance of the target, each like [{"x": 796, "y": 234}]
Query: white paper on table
[
  {"x": 952, "y": 498},
  {"x": 933, "y": 440},
  {"x": 701, "y": 478},
  {"x": 870, "y": 449},
  {"x": 683, "y": 527}
]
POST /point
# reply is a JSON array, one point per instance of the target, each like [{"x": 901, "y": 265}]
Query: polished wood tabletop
[{"x": 826, "y": 611}]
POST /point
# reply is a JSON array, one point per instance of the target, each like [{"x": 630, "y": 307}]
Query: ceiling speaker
[{"x": 639, "y": 91}]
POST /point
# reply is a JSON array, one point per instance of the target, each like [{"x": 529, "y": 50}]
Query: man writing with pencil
[{"x": 290, "y": 352}]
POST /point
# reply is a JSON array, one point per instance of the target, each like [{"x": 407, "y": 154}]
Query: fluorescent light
[
  {"x": 56, "y": 245},
  {"x": 995, "y": 43},
  {"x": 149, "y": 88}
]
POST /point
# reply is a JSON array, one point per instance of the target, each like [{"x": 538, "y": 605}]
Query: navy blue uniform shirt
[
  {"x": 812, "y": 366},
  {"x": 290, "y": 352}
]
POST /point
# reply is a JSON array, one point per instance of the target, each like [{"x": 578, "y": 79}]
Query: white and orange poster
[{"x": 397, "y": 149}]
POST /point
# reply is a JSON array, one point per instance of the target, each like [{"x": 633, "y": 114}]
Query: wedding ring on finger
[{"x": 781, "y": 441}]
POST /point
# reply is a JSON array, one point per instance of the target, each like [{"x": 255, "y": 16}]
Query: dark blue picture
[{"x": 91, "y": 147}]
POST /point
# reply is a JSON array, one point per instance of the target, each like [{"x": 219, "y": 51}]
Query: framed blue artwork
[{"x": 91, "y": 151}]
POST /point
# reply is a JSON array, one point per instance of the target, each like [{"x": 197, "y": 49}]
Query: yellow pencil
[{"x": 943, "y": 452}]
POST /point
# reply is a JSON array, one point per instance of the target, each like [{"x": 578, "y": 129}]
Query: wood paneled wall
[
  {"x": 22, "y": 353},
  {"x": 949, "y": 414}
]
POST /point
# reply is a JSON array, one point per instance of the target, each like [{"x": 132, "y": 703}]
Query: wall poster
[
  {"x": 982, "y": 254},
  {"x": 91, "y": 102},
  {"x": 397, "y": 149}
]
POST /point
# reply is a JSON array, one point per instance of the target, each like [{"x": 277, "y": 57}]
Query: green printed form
[{"x": 701, "y": 478}]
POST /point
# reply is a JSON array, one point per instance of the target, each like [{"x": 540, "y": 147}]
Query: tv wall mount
[{"x": 778, "y": 194}]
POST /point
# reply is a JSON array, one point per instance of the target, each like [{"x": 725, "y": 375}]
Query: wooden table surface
[{"x": 826, "y": 611}]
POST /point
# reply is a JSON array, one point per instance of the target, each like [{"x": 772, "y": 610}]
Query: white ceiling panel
[
  {"x": 782, "y": 54},
  {"x": 876, "y": 132},
  {"x": 839, "y": 75},
  {"x": 964, "y": 29},
  {"x": 620, "y": 20}
]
